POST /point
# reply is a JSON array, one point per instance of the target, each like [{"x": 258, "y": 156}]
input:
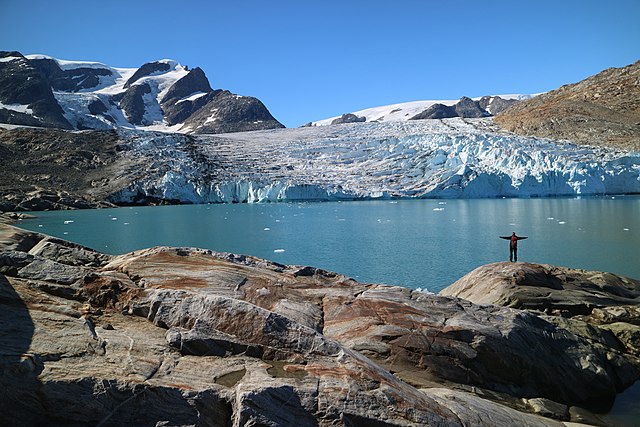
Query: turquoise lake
[{"x": 425, "y": 244}]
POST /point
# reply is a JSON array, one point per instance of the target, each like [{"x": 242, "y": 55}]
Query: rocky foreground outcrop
[{"x": 182, "y": 336}]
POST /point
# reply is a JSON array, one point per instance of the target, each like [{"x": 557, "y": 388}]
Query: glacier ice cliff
[{"x": 449, "y": 158}]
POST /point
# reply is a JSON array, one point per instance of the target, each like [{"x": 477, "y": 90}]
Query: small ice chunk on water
[
  {"x": 442, "y": 203},
  {"x": 625, "y": 229},
  {"x": 39, "y": 225},
  {"x": 278, "y": 251},
  {"x": 438, "y": 209},
  {"x": 126, "y": 223},
  {"x": 550, "y": 218},
  {"x": 114, "y": 219},
  {"x": 66, "y": 232},
  {"x": 267, "y": 229},
  {"x": 561, "y": 222},
  {"x": 68, "y": 221}
]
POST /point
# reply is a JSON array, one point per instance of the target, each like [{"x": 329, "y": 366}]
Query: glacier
[{"x": 446, "y": 158}]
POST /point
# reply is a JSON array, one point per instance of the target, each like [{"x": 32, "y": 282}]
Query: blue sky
[{"x": 309, "y": 60}]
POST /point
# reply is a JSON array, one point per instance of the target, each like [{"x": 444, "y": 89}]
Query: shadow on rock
[{"x": 18, "y": 369}]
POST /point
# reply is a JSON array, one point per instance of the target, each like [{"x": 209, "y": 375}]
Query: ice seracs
[{"x": 450, "y": 158}]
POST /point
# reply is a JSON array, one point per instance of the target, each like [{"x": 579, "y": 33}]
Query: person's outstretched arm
[
  {"x": 505, "y": 237},
  {"x": 523, "y": 237}
]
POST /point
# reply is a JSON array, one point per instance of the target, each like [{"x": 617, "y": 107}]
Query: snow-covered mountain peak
[
  {"x": 70, "y": 65},
  {"x": 409, "y": 110},
  {"x": 162, "y": 95}
]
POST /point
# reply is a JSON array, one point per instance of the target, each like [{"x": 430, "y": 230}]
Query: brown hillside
[{"x": 601, "y": 110}]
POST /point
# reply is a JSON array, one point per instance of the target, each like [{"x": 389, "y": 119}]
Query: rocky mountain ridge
[
  {"x": 183, "y": 336},
  {"x": 603, "y": 109},
  {"x": 37, "y": 90}
]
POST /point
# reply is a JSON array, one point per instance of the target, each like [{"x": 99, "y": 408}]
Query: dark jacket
[{"x": 514, "y": 240}]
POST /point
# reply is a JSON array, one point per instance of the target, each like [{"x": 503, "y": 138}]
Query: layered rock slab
[
  {"x": 182, "y": 336},
  {"x": 545, "y": 287}
]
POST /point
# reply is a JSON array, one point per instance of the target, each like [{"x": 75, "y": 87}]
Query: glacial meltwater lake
[{"x": 425, "y": 244}]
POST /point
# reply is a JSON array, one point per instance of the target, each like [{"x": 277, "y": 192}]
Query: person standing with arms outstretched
[{"x": 513, "y": 245}]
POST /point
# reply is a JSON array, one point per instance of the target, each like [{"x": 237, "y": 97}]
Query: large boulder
[{"x": 545, "y": 288}]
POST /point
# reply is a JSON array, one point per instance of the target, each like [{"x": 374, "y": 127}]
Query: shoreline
[{"x": 103, "y": 204}]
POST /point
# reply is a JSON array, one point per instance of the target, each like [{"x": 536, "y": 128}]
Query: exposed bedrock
[{"x": 183, "y": 336}]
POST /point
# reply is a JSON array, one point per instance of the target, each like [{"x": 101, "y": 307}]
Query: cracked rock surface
[{"x": 184, "y": 336}]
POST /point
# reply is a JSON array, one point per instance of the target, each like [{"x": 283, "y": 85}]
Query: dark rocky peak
[
  {"x": 70, "y": 80},
  {"x": 146, "y": 70},
  {"x": 495, "y": 104},
  {"x": 10, "y": 54},
  {"x": 194, "y": 81},
  {"x": 179, "y": 110},
  {"x": 47, "y": 67},
  {"x": 21, "y": 83},
  {"x": 227, "y": 112},
  {"x": 23, "y": 86},
  {"x": 468, "y": 108},
  {"x": 348, "y": 118},
  {"x": 132, "y": 103},
  {"x": 436, "y": 111}
]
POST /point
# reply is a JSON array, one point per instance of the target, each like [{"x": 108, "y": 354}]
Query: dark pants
[{"x": 513, "y": 254}]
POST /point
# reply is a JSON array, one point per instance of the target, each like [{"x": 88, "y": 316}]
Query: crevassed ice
[{"x": 451, "y": 158}]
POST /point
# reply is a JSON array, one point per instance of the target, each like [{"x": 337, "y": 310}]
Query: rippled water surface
[{"x": 415, "y": 243}]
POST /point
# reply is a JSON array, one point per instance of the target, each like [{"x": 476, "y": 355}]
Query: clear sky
[{"x": 309, "y": 60}]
